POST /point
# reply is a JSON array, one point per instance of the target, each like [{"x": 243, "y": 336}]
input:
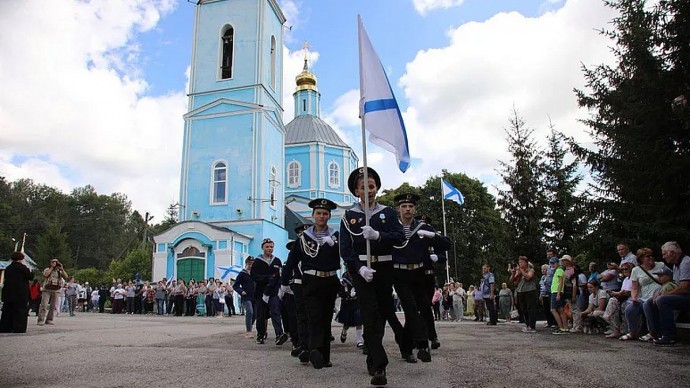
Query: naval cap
[{"x": 356, "y": 174}]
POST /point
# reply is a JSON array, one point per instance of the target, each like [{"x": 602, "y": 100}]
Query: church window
[
  {"x": 333, "y": 174},
  {"x": 220, "y": 183},
  {"x": 273, "y": 62},
  {"x": 304, "y": 105},
  {"x": 227, "y": 45},
  {"x": 294, "y": 174}
]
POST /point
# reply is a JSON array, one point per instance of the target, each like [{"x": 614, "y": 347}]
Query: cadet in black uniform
[
  {"x": 374, "y": 286},
  {"x": 409, "y": 278},
  {"x": 266, "y": 275},
  {"x": 317, "y": 250},
  {"x": 432, "y": 256},
  {"x": 298, "y": 334}
]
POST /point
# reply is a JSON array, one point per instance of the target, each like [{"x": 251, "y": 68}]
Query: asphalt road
[{"x": 103, "y": 350}]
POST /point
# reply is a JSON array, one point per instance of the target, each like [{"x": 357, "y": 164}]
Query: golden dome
[{"x": 306, "y": 80}]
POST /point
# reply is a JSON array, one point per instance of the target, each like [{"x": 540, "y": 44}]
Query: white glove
[
  {"x": 281, "y": 293},
  {"x": 265, "y": 298},
  {"x": 367, "y": 273},
  {"x": 426, "y": 233},
  {"x": 286, "y": 289},
  {"x": 434, "y": 257},
  {"x": 369, "y": 233},
  {"x": 353, "y": 293},
  {"x": 328, "y": 240}
]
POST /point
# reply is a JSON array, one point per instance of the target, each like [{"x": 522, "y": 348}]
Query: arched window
[
  {"x": 333, "y": 174},
  {"x": 273, "y": 62},
  {"x": 227, "y": 43},
  {"x": 273, "y": 181},
  {"x": 220, "y": 183},
  {"x": 294, "y": 174}
]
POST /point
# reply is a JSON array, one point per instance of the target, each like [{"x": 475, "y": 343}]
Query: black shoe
[
  {"x": 379, "y": 378},
  {"x": 371, "y": 371},
  {"x": 365, "y": 350},
  {"x": 303, "y": 356},
  {"x": 316, "y": 359},
  {"x": 435, "y": 344},
  {"x": 281, "y": 339},
  {"x": 295, "y": 351},
  {"x": 332, "y": 338},
  {"x": 343, "y": 337},
  {"x": 665, "y": 341},
  {"x": 424, "y": 354},
  {"x": 409, "y": 358},
  {"x": 260, "y": 341},
  {"x": 328, "y": 364}
]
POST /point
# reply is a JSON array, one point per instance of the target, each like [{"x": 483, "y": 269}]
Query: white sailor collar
[
  {"x": 377, "y": 208},
  {"x": 310, "y": 232}
]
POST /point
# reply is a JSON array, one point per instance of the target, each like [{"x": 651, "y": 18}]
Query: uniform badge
[
  {"x": 382, "y": 216},
  {"x": 353, "y": 221}
]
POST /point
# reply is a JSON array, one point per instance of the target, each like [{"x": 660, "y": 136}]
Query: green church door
[{"x": 190, "y": 269}]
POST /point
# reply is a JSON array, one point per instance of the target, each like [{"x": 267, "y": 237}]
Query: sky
[{"x": 93, "y": 92}]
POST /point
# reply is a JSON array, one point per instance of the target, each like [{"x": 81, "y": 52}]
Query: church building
[{"x": 245, "y": 175}]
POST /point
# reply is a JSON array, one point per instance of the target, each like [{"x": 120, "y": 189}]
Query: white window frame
[{"x": 212, "y": 189}]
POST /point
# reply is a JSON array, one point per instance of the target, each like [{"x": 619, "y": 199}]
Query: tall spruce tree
[
  {"x": 565, "y": 222},
  {"x": 642, "y": 157},
  {"x": 522, "y": 202}
]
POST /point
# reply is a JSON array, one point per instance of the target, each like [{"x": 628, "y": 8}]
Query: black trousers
[
  {"x": 288, "y": 313},
  {"x": 409, "y": 284},
  {"x": 191, "y": 306},
  {"x": 14, "y": 317},
  {"x": 263, "y": 310},
  {"x": 376, "y": 305},
  {"x": 426, "y": 311},
  {"x": 302, "y": 322},
  {"x": 528, "y": 303},
  {"x": 546, "y": 309},
  {"x": 319, "y": 301},
  {"x": 179, "y": 305},
  {"x": 101, "y": 304},
  {"x": 491, "y": 307}
]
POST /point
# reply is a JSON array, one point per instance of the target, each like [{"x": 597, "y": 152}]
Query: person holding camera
[{"x": 54, "y": 276}]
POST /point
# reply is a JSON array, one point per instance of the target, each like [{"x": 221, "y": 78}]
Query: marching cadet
[
  {"x": 299, "y": 334},
  {"x": 374, "y": 286},
  {"x": 317, "y": 250},
  {"x": 432, "y": 256},
  {"x": 409, "y": 278},
  {"x": 266, "y": 274}
]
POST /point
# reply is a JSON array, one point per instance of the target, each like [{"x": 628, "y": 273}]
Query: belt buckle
[
  {"x": 374, "y": 259},
  {"x": 410, "y": 266}
]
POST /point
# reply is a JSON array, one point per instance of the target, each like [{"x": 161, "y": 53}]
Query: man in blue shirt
[{"x": 488, "y": 287}]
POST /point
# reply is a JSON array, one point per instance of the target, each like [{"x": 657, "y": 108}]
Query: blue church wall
[
  {"x": 215, "y": 17},
  {"x": 273, "y": 27},
  {"x": 307, "y": 102},
  {"x": 216, "y": 140},
  {"x": 300, "y": 154}
]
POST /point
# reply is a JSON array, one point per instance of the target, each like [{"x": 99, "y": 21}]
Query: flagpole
[
  {"x": 443, "y": 210},
  {"x": 364, "y": 147}
]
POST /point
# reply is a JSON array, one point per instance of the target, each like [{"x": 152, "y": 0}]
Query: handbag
[
  {"x": 566, "y": 310},
  {"x": 52, "y": 284},
  {"x": 514, "y": 314}
]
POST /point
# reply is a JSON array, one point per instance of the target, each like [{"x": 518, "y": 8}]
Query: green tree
[
  {"x": 137, "y": 261},
  {"x": 639, "y": 165},
  {"x": 522, "y": 201},
  {"x": 565, "y": 223},
  {"x": 53, "y": 244}
]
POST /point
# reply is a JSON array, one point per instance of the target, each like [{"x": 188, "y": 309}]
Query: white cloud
[
  {"x": 73, "y": 106},
  {"x": 460, "y": 96},
  {"x": 424, "y": 6}
]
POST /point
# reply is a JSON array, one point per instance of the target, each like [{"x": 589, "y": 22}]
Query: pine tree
[
  {"x": 522, "y": 202},
  {"x": 642, "y": 157},
  {"x": 565, "y": 222}
]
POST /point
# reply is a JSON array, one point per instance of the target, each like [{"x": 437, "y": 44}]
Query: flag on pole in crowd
[
  {"x": 378, "y": 108},
  {"x": 450, "y": 192},
  {"x": 232, "y": 271}
]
